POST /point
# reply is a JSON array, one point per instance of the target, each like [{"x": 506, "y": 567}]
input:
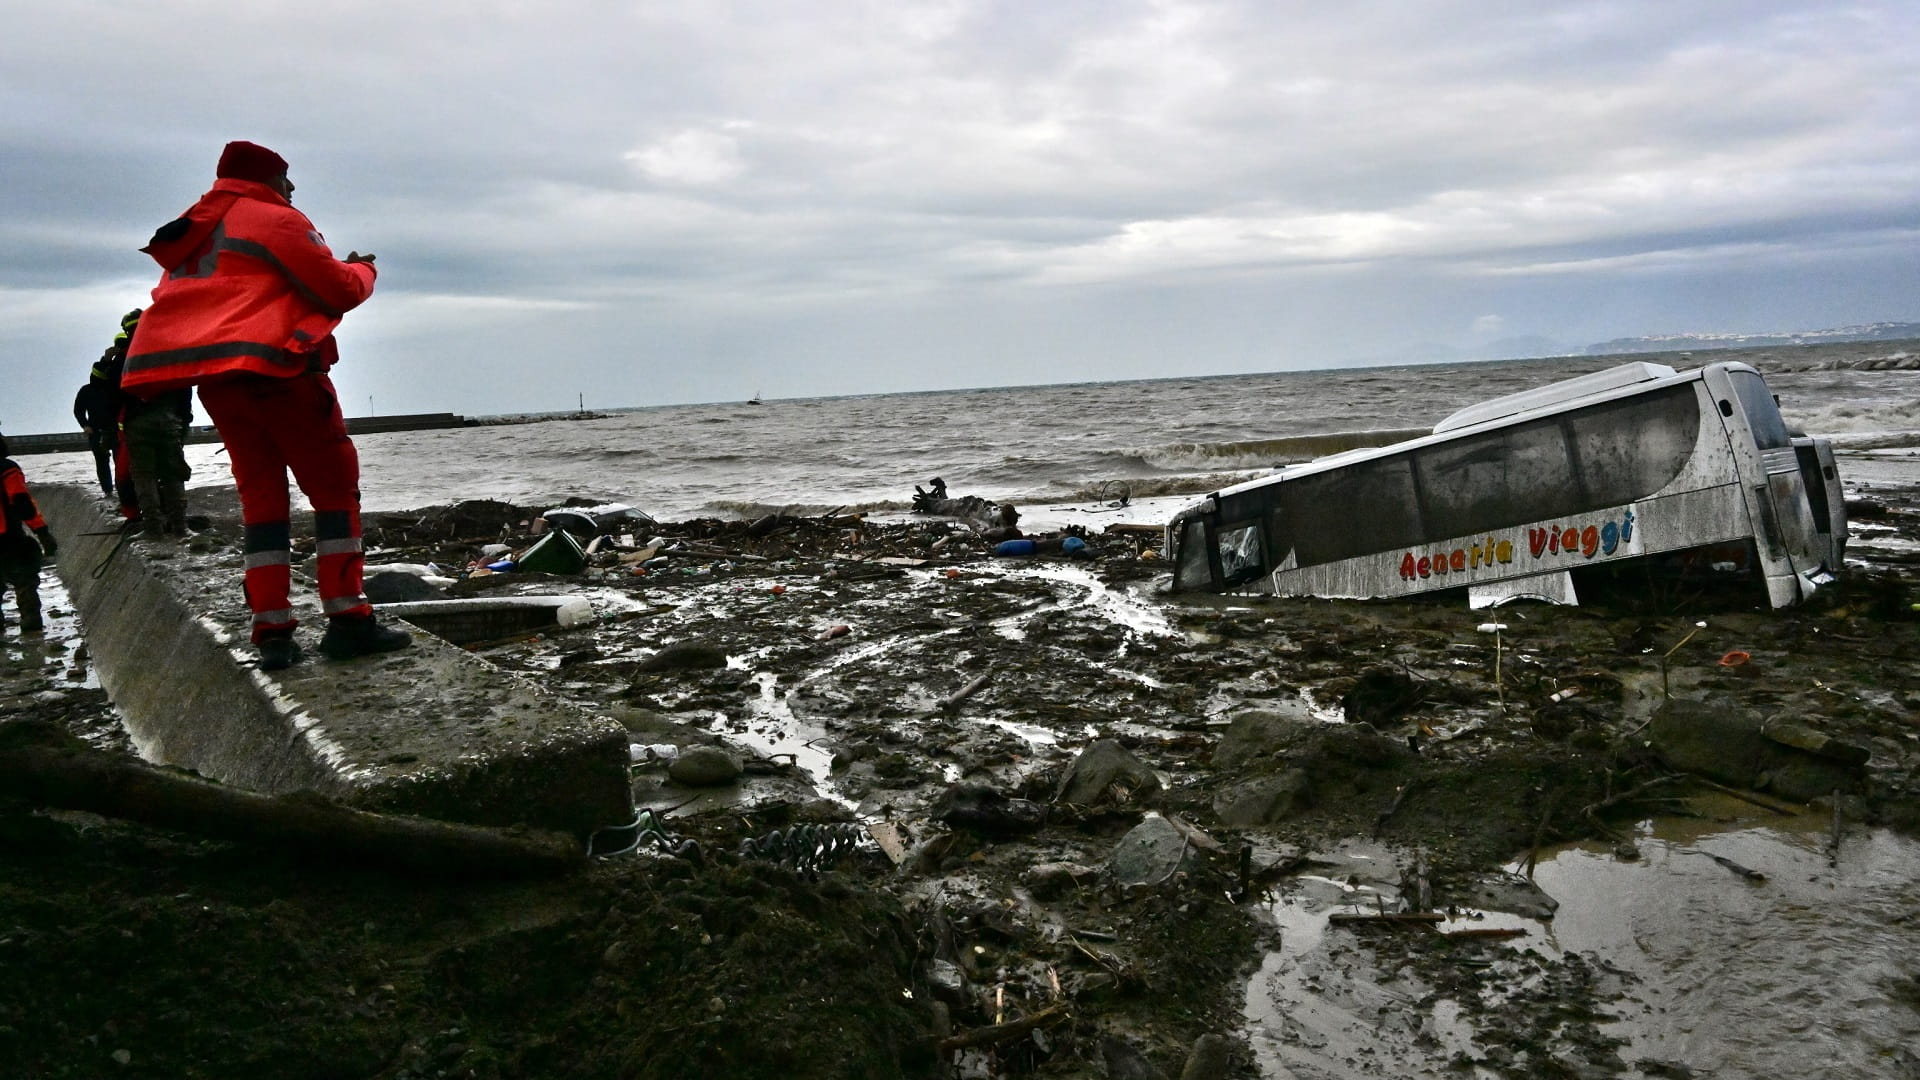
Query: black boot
[
  {"x": 173, "y": 507},
  {"x": 349, "y": 636},
  {"x": 278, "y": 650},
  {"x": 147, "y": 493},
  {"x": 29, "y": 603}
]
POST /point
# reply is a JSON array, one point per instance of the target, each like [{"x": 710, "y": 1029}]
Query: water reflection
[{"x": 1810, "y": 969}]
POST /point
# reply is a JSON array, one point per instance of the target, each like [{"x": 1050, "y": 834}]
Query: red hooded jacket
[{"x": 249, "y": 286}]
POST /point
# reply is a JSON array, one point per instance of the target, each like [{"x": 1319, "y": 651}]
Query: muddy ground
[{"x": 893, "y": 866}]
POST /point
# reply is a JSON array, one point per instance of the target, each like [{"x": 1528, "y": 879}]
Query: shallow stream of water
[{"x": 1813, "y": 971}]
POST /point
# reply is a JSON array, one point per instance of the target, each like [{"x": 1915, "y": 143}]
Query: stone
[
  {"x": 398, "y": 587},
  {"x": 1151, "y": 852},
  {"x": 685, "y": 656},
  {"x": 979, "y": 808},
  {"x": 1052, "y": 880},
  {"x": 1265, "y": 801},
  {"x": 1106, "y": 773},
  {"x": 1261, "y": 733},
  {"x": 704, "y": 766},
  {"x": 1212, "y": 1056}
]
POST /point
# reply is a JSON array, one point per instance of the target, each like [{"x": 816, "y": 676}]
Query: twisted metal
[{"x": 810, "y": 848}]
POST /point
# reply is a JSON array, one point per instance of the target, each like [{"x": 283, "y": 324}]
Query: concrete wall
[{"x": 430, "y": 730}]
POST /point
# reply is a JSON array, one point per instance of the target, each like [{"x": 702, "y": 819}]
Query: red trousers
[
  {"x": 272, "y": 425},
  {"x": 123, "y": 475}
]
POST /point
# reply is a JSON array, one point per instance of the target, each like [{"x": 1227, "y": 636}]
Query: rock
[
  {"x": 947, "y": 982},
  {"x": 1151, "y": 852},
  {"x": 1732, "y": 745},
  {"x": 1818, "y": 743},
  {"x": 1126, "y": 1062},
  {"x": 685, "y": 656},
  {"x": 1265, "y": 801},
  {"x": 1212, "y": 1056},
  {"x": 1506, "y": 892},
  {"x": 398, "y": 587},
  {"x": 979, "y": 808},
  {"x": 1106, "y": 773},
  {"x": 1380, "y": 697},
  {"x": 1052, "y": 880},
  {"x": 1262, "y": 733},
  {"x": 641, "y": 721},
  {"x": 704, "y": 766}
]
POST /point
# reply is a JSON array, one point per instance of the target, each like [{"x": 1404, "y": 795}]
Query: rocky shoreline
[{"x": 912, "y": 810}]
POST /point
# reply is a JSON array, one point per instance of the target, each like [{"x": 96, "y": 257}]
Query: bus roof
[{"x": 1597, "y": 382}]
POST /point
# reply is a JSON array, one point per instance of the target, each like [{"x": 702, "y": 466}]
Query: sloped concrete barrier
[{"x": 429, "y": 730}]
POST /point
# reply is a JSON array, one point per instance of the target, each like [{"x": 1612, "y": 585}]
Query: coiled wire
[
  {"x": 808, "y": 849},
  {"x": 805, "y": 849}
]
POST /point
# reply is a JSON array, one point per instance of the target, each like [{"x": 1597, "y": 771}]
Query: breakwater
[{"x": 70, "y": 442}]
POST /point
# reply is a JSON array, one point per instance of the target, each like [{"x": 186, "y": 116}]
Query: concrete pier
[{"x": 429, "y": 730}]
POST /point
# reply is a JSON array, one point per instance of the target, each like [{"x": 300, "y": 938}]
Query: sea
[{"x": 1132, "y": 450}]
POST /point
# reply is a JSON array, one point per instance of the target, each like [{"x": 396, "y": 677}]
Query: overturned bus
[{"x": 1521, "y": 495}]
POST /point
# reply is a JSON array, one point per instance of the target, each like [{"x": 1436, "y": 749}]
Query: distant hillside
[{"x": 1880, "y": 331}]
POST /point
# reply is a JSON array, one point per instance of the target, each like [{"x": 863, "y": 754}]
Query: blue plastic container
[{"x": 1014, "y": 547}]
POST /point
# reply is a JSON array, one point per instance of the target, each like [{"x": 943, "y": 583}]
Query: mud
[{"x": 893, "y": 684}]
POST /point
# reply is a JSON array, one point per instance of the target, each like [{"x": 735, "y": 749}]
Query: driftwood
[
  {"x": 1492, "y": 933},
  {"x": 41, "y": 766},
  {"x": 1743, "y": 796},
  {"x": 1000, "y": 1033},
  {"x": 1388, "y": 918},
  {"x": 978, "y": 683}
]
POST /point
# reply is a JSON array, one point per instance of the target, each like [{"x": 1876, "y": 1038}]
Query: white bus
[{"x": 1521, "y": 495}]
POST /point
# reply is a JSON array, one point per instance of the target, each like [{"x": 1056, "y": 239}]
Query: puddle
[
  {"x": 59, "y": 652},
  {"x": 772, "y": 729},
  {"x": 1814, "y": 971},
  {"x": 1122, "y": 608}
]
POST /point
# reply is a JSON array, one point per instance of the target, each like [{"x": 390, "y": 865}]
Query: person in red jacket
[
  {"x": 247, "y": 303},
  {"x": 23, "y": 540}
]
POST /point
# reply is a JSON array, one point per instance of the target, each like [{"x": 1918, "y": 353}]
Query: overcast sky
[{"x": 657, "y": 203}]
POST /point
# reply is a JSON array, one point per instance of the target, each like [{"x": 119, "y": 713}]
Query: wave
[
  {"x": 1265, "y": 453},
  {"x": 749, "y": 509},
  {"x": 1150, "y": 487},
  {"x": 1874, "y": 419}
]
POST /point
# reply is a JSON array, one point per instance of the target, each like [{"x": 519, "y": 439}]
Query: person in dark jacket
[
  {"x": 93, "y": 410},
  {"x": 247, "y": 303},
  {"x": 24, "y": 539}
]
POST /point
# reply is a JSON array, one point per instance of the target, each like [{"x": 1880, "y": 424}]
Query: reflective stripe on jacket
[
  {"x": 21, "y": 513},
  {"x": 248, "y": 286}
]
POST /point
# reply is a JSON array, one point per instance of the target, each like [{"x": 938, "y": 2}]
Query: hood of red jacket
[{"x": 186, "y": 235}]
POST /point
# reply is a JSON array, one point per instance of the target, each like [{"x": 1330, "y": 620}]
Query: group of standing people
[
  {"x": 138, "y": 443},
  {"x": 248, "y": 300}
]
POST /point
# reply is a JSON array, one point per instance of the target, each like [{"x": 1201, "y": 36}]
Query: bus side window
[
  {"x": 1347, "y": 512},
  {"x": 1497, "y": 479},
  {"x": 1240, "y": 556},
  {"x": 1631, "y": 449},
  {"x": 1194, "y": 571}
]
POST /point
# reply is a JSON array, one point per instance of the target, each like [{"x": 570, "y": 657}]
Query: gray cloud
[{"x": 860, "y": 196}]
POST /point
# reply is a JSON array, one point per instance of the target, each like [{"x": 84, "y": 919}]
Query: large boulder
[
  {"x": 1105, "y": 773},
  {"x": 1738, "y": 747},
  {"x": 1151, "y": 852},
  {"x": 1266, "y": 800},
  {"x": 704, "y": 766},
  {"x": 1263, "y": 733}
]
